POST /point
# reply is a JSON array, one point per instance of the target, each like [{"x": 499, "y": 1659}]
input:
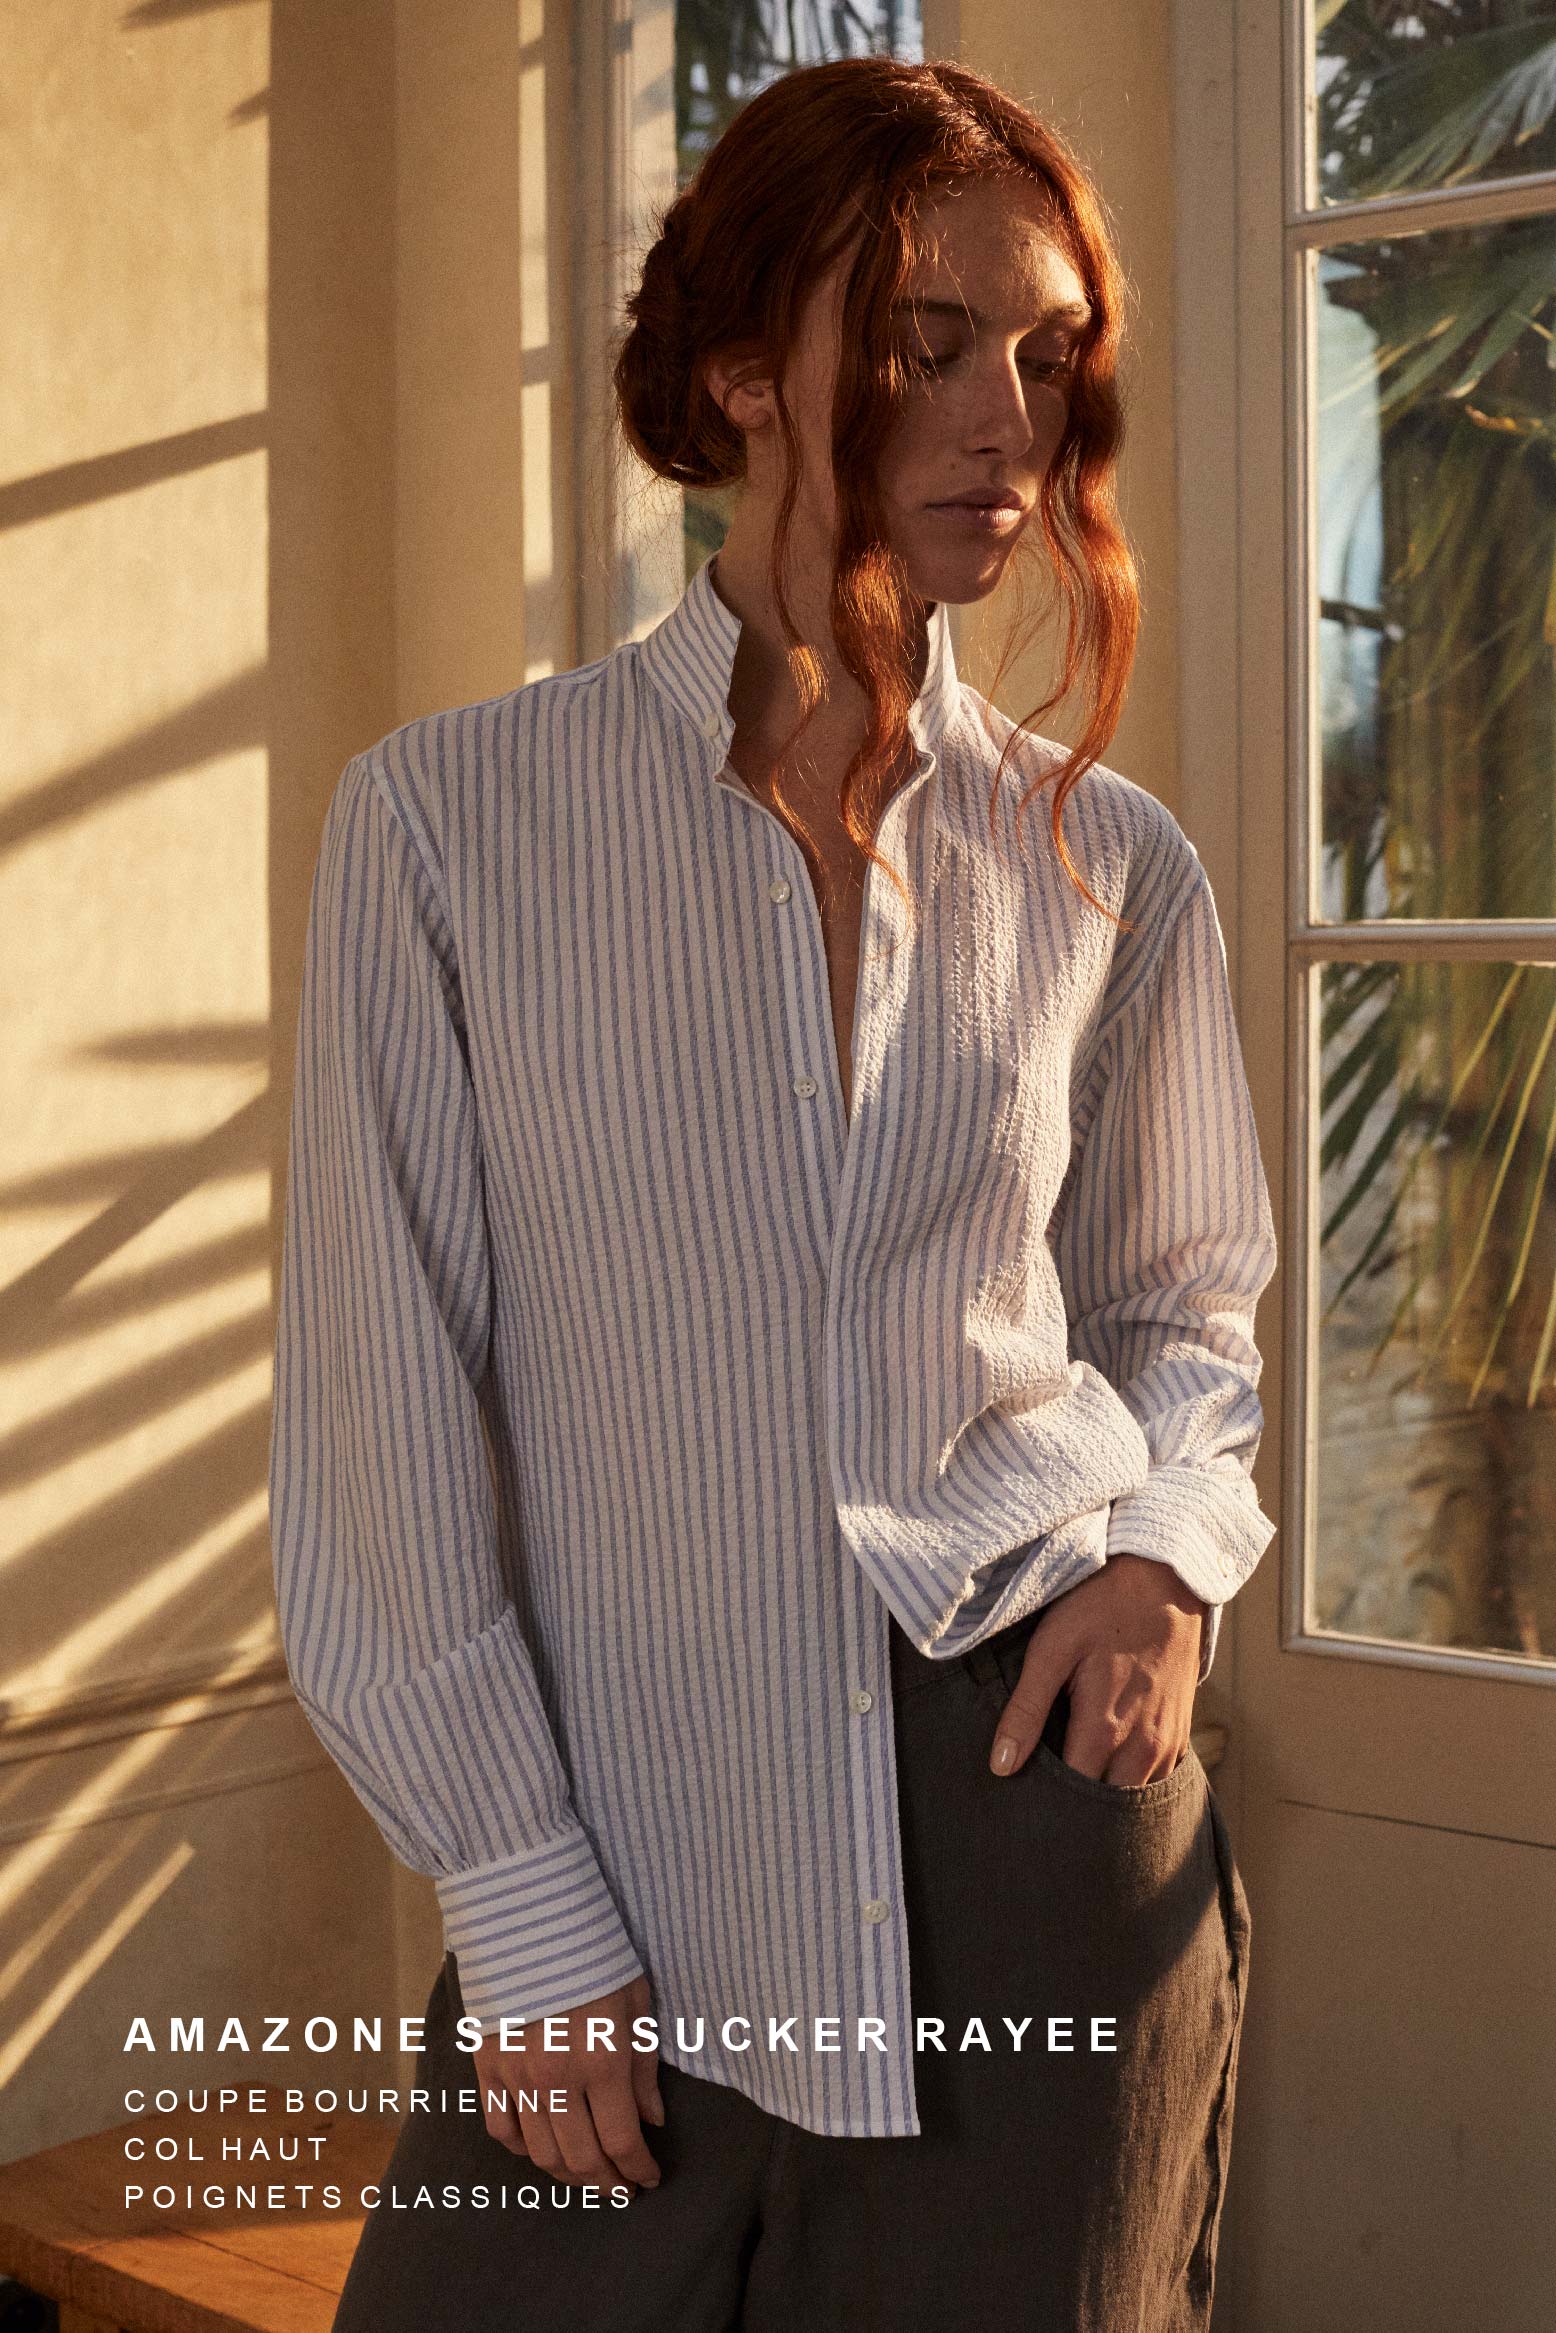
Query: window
[{"x": 1422, "y": 249}]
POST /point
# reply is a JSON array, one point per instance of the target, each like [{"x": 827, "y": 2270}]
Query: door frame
[
  {"x": 1319, "y": 1726},
  {"x": 1245, "y": 757}
]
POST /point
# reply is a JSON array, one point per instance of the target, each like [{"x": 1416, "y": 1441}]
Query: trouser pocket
[{"x": 1007, "y": 1656}]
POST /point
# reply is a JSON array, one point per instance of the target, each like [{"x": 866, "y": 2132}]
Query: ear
[{"x": 744, "y": 397}]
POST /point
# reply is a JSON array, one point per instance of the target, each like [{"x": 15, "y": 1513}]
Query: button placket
[
  {"x": 871, "y": 1751},
  {"x": 786, "y": 894}
]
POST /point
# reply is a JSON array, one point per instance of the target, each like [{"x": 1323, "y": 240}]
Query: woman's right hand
[{"x": 592, "y": 2136}]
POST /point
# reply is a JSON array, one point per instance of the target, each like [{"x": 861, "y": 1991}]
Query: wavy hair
[{"x": 848, "y": 149}]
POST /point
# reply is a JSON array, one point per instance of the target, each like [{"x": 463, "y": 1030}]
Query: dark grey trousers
[{"x": 1056, "y": 2193}]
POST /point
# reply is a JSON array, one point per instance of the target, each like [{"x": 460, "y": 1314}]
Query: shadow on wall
[{"x": 201, "y": 526}]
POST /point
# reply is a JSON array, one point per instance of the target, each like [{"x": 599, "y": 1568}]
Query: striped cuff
[
  {"x": 1027, "y": 1576},
  {"x": 535, "y": 1934},
  {"x": 1210, "y": 1533}
]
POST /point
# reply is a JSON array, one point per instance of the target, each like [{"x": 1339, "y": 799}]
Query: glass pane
[
  {"x": 1436, "y": 1426},
  {"x": 1436, "y": 502},
  {"x": 724, "y": 53},
  {"x": 1431, "y": 96}
]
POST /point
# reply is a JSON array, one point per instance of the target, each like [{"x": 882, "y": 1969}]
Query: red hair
[{"x": 852, "y": 149}]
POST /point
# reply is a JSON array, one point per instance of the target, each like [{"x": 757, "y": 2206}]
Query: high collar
[{"x": 690, "y": 657}]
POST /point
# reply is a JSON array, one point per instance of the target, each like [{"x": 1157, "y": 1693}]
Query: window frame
[{"x": 1307, "y": 229}]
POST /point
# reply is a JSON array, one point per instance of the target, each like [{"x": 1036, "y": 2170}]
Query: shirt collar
[{"x": 690, "y": 655}]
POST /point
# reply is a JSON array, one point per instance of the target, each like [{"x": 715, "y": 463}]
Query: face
[{"x": 987, "y": 336}]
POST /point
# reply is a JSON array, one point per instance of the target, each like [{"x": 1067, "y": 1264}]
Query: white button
[
  {"x": 779, "y": 890},
  {"x": 863, "y": 1700},
  {"x": 875, "y": 1909},
  {"x": 804, "y": 1085},
  {"x": 711, "y": 724}
]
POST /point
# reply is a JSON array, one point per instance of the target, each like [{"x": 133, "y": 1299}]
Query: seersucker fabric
[{"x": 626, "y": 1386}]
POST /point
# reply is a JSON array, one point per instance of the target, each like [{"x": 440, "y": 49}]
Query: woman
[{"x": 766, "y": 1389}]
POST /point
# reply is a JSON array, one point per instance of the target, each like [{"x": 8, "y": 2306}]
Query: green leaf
[{"x": 1507, "y": 77}]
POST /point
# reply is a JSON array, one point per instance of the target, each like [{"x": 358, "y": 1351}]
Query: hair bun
[
  {"x": 668, "y": 417},
  {"x": 669, "y": 257}
]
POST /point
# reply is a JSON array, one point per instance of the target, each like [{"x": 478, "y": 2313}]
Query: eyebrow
[{"x": 1068, "y": 311}]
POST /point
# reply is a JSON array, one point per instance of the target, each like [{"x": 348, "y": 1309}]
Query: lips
[
  {"x": 980, "y": 501},
  {"x": 991, "y": 520}
]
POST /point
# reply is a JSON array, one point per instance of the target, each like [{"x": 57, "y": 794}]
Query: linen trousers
[{"x": 1051, "y": 2191}]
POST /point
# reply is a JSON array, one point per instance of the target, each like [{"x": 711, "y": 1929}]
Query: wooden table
[{"x": 66, "y": 2232}]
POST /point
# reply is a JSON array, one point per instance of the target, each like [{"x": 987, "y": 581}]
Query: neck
[{"x": 762, "y": 695}]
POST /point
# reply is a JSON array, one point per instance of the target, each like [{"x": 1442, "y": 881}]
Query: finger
[
  {"x": 1149, "y": 1752},
  {"x": 540, "y": 2143},
  {"x": 1123, "y": 1750},
  {"x": 1045, "y": 1670},
  {"x": 614, "y": 2105},
  {"x": 588, "y": 2165},
  {"x": 497, "y": 2108},
  {"x": 645, "y": 2086},
  {"x": 644, "y": 2063},
  {"x": 1093, "y": 1739},
  {"x": 501, "y": 2120}
]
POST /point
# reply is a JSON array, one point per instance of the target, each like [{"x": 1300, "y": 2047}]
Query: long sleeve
[
  {"x": 1164, "y": 1241},
  {"x": 401, "y": 1639}
]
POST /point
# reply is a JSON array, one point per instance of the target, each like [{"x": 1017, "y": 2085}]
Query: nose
[{"x": 999, "y": 417}]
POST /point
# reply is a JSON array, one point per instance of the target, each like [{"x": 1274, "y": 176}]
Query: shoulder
[
  {"x": 1131, "y": 849},
  {"x": 440, "y": 776}
]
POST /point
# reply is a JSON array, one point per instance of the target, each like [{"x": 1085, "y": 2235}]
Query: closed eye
[{"x": 923, "y": 361}]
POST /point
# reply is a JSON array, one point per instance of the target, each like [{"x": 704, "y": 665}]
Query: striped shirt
[{"x": 626, "y": 1384}]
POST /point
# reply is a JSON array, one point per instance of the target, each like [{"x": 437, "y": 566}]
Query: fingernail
[{"x": 1005, "y": 1748}]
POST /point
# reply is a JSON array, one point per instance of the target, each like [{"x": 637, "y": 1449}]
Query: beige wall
[
  {"x": 196, "y": 569},
  {"x": 289, "y": 390},
  {"x": 482, "y": 351},
  {"x": 288, "y": 404}
]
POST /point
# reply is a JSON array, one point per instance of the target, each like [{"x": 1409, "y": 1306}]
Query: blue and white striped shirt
[{"x": 625, "y": 1385}]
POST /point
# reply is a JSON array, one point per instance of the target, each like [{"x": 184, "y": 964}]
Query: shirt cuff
[
  {"x": 1203, "y": 1527},
  {"x": 1021, "y": 1580},
  {"x": 535, "y": 1934}
]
